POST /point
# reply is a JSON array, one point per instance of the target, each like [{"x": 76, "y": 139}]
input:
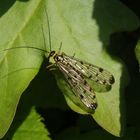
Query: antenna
[
  {"x": 60, "y": 47},
  {"x": 44, "y": 38},
  {"x": 28, "y": 47},
  {"x": 48, "y": 29}
]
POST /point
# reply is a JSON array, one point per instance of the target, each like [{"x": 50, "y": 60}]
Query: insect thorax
[{"x": 55, "y": 57}]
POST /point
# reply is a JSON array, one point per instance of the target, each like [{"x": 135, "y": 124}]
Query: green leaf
[
  {"x": 20, "y": 25},
  {"x": 84, "y": 28},
  {"x": 31, "y": 127}
]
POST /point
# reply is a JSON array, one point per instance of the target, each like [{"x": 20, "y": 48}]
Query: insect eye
[{"x": 51, "y": 53}]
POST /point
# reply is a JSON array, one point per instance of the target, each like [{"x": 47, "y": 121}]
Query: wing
[
  {"x": 90, "y": 71},
  {"x": 79, "y": 85}
]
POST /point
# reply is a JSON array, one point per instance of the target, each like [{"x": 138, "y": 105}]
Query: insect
[{"x": 76, "y": 72}]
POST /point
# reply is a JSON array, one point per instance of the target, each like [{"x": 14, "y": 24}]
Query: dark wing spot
[
  {"x": 112, "y": 80},
  {"x": 93, "y": 96},
  {"x": 90, "y": 76},
  {"x": 81, "y": 62},
  {"x": 97, "y": 74},
  {"x": 97, "y": 81},
  {"x": 85, "y": 82},
  {"x": 104, "y": 82},
  {"x": 67, "y": 64},
  {"x": 84, "y": 91},
  {"x": 69, "y": 78},
  {"x": 90, "y": 89},
  {"x": 100, "y": 70},
  {"x": 88, "y": 67},
  {"x": 93, "y": 106},
  {"x": 81, "y": 96}
]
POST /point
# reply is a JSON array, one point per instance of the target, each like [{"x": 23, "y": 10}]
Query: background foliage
[{"x": 101, "y": 32}]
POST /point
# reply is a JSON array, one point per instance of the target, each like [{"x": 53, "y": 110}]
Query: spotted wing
[
  {"x": 90, "y": 71},
  {"x": 79, "y": 86}
]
